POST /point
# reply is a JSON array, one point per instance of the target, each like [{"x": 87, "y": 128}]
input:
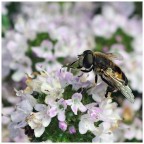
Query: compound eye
[{"x": 88, "y": 60}]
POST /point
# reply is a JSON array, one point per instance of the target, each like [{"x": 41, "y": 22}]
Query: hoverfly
[{"x": 102, "y": 64}]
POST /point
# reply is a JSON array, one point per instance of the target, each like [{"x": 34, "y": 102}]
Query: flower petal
[
  {"x": 40, "y": 107},
  {"x": 82, "y": 128},
  {"x": 69, "y": 102},
  {"x": 82, "y": 108},
  {"x": 61, "y": 115},
  {"x": 53, "y": 112},
  {"x": 77, "y": 96},
  {"x": 74, "y": 109},
  {"x": 46, "y": 121},
  {"x": 39, "y": 131}
]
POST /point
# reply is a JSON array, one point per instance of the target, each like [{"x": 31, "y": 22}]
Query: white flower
[
  {"x": 35, "y": 124},
  {"x": 76, "y": 104},
  {"x": 85, "y": 124},
  {"x": 6, "y": 111},
  {"x": 22, "y": 66},
  {"x": 134, "y": 130},
  {"x": 43, "y": 114},
  {"x": 14, "y": 131},
  {"x": 94, "y": 111},
  {"x": 102, "y": 27},
  {"x": 98, "y": 92},
  {"x": 26, "y": 96},
  {"x": 53, "y": 66},
  {"x": 58, "y": 108},
  {"x": 125, "y": 8},
  {"x": 3, "y": 7},
  {"x": 24, "y": 27},
  {"x": 24, "y": 108},
  {"x": 109, "y": 113},
  {"x": 6, "y": 59},
  {"x": 38, "y": 121},
  {"x": 52, "y": 88},
  {"x": 104, "y": 134},
  {"x": 44, "y": 50},
  {"x": 103, "y": 111}
]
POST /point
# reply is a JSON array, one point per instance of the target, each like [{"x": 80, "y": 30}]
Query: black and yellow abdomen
[{"x": 102, "y": 62}]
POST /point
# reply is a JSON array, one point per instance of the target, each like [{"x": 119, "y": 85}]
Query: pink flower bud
[
  {"x": 63, "y": 125},
  {"x": 72, "y": 130}
]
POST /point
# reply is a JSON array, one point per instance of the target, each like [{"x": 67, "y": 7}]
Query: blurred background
[{"x": 50, "y": 34}]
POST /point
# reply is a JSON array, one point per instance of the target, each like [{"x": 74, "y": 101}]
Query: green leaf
[{"x": 5, "y": 23}]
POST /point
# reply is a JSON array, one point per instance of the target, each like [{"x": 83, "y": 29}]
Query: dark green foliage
[
  {"x": 87, "y": 99},
  {"x": 103, "y": 42},
  {"x": 133, "y": 140},
  {"x": 5, "y": 24},
  {"x": 13, "y": 9},
  {"x": 41, "y": 98},
  {"x": 61, "y": 60},
  {"x": 6, "y": 103},
  {"x": 68, "y": 92},
  {"x": 98, "y": 123},
  {"x": 138, "y": 8}
]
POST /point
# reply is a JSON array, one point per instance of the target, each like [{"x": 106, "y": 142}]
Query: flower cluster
[
  {"x": 61, "y": 100},
  {"x": 60, "y": 106}
]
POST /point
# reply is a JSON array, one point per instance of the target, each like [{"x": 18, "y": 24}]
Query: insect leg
[
  {"x": 109, "y": 89},
  {"x": 96, "y": 78}
]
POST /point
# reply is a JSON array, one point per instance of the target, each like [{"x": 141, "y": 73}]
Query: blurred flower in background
[{"x": 46, "y": 35}]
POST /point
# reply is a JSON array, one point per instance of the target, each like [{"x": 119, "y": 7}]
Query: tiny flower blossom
[
  {"x": 45, "y": 50},
  {"x": 19, "y": 116},
  {"x": 65, "y": 78},
  {"x": 134, "y": 130},
  {"x": 72, "y": 130},
  {"x": 52, "y": 88},
  {"x": 35, "y": 124},
  {"x": 104, "y": 134},
  {"x": 109, "y": 112},
  {"x": 76, "y": 104},
  {"x": 14, "y": 131},
  {"x": 63, "y": 125},
  {"x": 38, "y": 121},
  {"x": 26, "y": 96},
  {"x": 98, "y": 92},
  {"x": 43, "y": 114},
  {"x": 85, "y": 124},
  {"x": 95, "y": 113},
  {"x": 58, "y": 108}
]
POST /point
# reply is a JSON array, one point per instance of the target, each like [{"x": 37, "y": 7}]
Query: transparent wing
[
  {"x": 125, "y": 90},
  {"x": 113, "y": 56}
]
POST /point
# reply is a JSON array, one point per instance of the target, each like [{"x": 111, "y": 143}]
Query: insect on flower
[{"x": 102, "y": 64}]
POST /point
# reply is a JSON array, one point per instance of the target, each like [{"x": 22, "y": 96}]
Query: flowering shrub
[{"x": 66, "y": 106}]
